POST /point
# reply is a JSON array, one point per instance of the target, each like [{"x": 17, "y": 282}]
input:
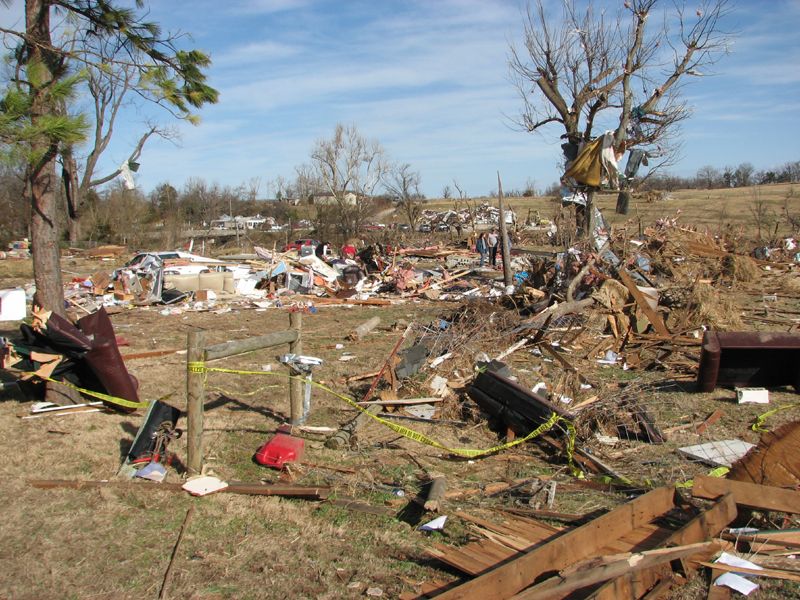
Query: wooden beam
[
  {"x": 595, "y": 570},
  {"x": 254, "y": 489},
  {"x": 753, "y": 495},
  {"x": 268, "y": 340},
  {"x": 652, "y": 315},
  {"x": 703, "y": 527},
  {"x": 517, "y": 574}
]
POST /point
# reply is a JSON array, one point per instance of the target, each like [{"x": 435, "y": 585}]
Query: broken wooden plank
[
  {"x": 152, "y": 354},
  {"x": 516, "y": 574},
  {"x": 767, "y": 540},
  {"x": 753, "y": 495},
  {"x": 603, "y": 568},
  {"x": 713, "y": 418},
  {"x": 257, "y": 489},
  {"x": 703, "y": 527},
  {"x": 401, "y": 401},
  {"x": 655, "y": 319}
]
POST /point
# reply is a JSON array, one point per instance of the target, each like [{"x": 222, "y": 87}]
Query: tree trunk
[
  {"x": 41, "y": 175},
  {"x": 74, "y": 226},
  {"x": 45, "y": 237},
  {"x": 589, "y": 221},
  {"x": 623, "y": 200}
]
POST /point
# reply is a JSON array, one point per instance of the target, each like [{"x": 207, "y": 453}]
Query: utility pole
[{"x": 506, "y": 246}]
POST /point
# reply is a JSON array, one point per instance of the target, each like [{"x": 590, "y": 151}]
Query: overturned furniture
[{"x": 748, "y": 358}]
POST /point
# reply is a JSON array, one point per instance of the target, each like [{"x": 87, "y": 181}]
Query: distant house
[{"x": 238, "y": 222}]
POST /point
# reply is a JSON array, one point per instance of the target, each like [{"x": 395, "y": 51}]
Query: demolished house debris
[{"x": 571, "y": 361}]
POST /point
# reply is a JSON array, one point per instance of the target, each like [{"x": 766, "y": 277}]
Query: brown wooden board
[
  {"x": 703, "y": 527},
  {"x": 569, "y": 548},
  {"x": 753, "y": 495}
]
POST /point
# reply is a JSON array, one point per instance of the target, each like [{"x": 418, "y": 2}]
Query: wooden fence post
[
  {"x": 195, "y": 397},
  {"x": 296, "y": 384}
]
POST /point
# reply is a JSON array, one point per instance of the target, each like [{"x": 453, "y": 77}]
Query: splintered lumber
[
  {"x": 766, "y": 541},
  {"x": 703, "y": 527},
  {"x": 254, "y": 489},
  {"x": 753, "y": 495},
  {"x": 322, "y": 300},
  {"x": 713, "y": 418},
  {"x": 361, "y": 376},
  {"x": 602, "y": 568},
  {"x": 363, "y": 329},
  {"x": 655, "y": 319},
  {"x": 436, "y": 493},
  {"x": 516, "y": 574}
]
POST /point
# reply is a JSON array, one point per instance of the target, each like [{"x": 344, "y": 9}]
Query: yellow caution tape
[
  {"x": 718, "y": 472},
  {"x": 758, "y": 426},
  {"x": 201, "y": 368},
  {"x": 99, "y": 395}
]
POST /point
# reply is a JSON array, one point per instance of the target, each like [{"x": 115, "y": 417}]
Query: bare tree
[
  {"x": 350, "y": 167},
  {"x": 763, "y": 215},
  {"x": 446, "y": 192},
  {"x": 464, "y": 199},
  {"x": 306, "y": 182},
  {"x": 109, "y": 84},
  {"x": 708, "y": 177},
  {"x": 403, "y": 184},
  {"x": 580, "y": 72}
]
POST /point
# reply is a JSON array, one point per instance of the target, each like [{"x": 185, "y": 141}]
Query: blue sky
[{"x": 429, "y": 80}]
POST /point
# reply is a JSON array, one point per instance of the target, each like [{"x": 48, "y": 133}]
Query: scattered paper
[
  {"x": 203, "y": 485},
  {"x": 736, "y": 582},
  {"x": 732, "y": 580},
  {"x": 436, "y": 525},
  {"x": 423, "y": 411}
]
